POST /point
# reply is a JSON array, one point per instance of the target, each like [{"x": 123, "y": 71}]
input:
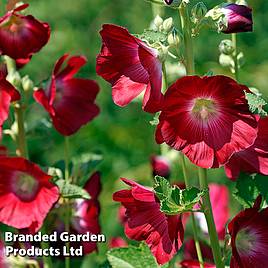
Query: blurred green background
[{"x": 123, "y": 135}]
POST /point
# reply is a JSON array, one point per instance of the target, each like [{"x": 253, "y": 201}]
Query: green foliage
[
  {"x": 173, "y": 200},
  {"x": 132, "y": 257},
  {"x": 152, "y": 36},
  {"x": 248, "y": 187},
  {"x": 256, "y": 104},
  {"x": 71, "y": 191}
]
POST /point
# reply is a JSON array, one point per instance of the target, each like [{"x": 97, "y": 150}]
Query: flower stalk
[{"x": 190, "y": 68}]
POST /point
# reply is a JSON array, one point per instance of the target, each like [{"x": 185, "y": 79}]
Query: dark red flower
[
  {"x": 191, "y": 254},
  {"x": 195, "y": 264},
  {"x": 21, "y": 36},
  {"x": 160, "y": 166},
  {"x": 8, "y": 94},
  {"x": 69, "y": 101},
  {"x": 174, "y": 3},
  {"x": 86, "y": 218},
  {"x": 117, "y": 242},
  {"x": 208, "y": 119},
  {"x": 131, "y": 67},
  {"x": 162, "y": 233},
  {"x": 249, "y": 238},
  {"x": 238, "y": 17},
  {"x": 122, "y": 215},
  {"x": 254, "y": 159},
  {"x": 26, "y": 193},
  {"x": 219, "y": 196}
]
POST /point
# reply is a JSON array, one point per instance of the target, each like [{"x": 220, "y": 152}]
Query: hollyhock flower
[
  {"x": 8, "y": 94},
  {"x": 195, "y": 264},
  {"x": 160, "y": 166},
  {"x": 117, "y": 242},
  {"x": 122, "y": 215},
  {"x": 219, "y": 196},
  {"x": 131, "y": 66},
  {"x": 86, "y": 218},
  {"x": 162, "y": 233},
  {"x": 191, "y": 254},
  {"x": 249, "y": 232},
  {"x": 238, "y": 18},
  {"x": 207, "y": 118},
  {"x": 69, "y": 101},
  {"x": 21, "y": 36},
  {"x": 254, "y": 159},
  {"x": 26, "y": 193},
  {"x": 173, "y": 3}
]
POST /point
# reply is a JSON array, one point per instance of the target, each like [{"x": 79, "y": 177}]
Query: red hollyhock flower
[
  {"x": 117, "y": 242},
  {"x": 207, "y": 118},
  {"x": 26, "y": 193},
  {"x": 249, "y": 232},
  {"x": 195, "y": 264},
  {"x": 131, "y": 67},
  {"x": 219, "y": 196},
  {"x": 191, "y": 254},
  {"x": 21, "y": 36},
  {"x": 8, "y": 94},
  {"x": 254, "y": 159},
  {"x": 86, "y": 218},
  {"x": 69, "y": 101},
  {"x": 238, "y": 17},
  {"x": 162, "y": 233},
  {"x": 160, "y": 166}
]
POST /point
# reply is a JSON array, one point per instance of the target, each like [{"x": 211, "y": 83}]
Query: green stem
[
  {"x": 214, "y": 240},
  {"x": 164, "y": 71},
  {"x": 236, "y": 67},
  {"x": 195, "y": 229},
  {"x": 46, "y": 260},
  {"x": 66, "y": 201},
  {"x": 156, "y": 8}
]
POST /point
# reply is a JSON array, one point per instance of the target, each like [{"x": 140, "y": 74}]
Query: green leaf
[
  {"x": 256, "y": 104},
  {"x": 83, "y": 166},
  {"x": 132, "y": 257},
  {"x": 173, "y": 200},
  {"x": 153, "y": 37},
  {"x": 71, "y": 191},
  {"x": 262, "y": 185},
  {"x": 246, "y": 190}
]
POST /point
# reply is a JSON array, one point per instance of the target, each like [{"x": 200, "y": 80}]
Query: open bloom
[
  {"x": 131, "y": 67},
  {"x": 86, "y": 218},
  {"x": 8, "y": 94},
  {"x": 195, "y": 264},
  {"x": 219, "y": 196},
  {"x": 26, "y": 193},
  {"x": 162, "y": 233},
  {"x": 21, "y": 36},
  {"x": 207, "y": 118},
  {"x": 173, "y": 3},
  {"x": 254, "y": 159},
  {"x": 69, "y": 101},
  {"x": 249, "y": 232},
  {"x": 238, "y": 18},
  {"x": 160, "y": 166}
]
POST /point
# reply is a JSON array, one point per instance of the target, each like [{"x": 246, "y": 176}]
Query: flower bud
[
  {"x": 172, "y": 3},
  {"x": 199, "y": 11},
  {"x": 226, "y": 61},
  {"x": 238, "y": 18},
  {"x": 158, "y": 21},
  {"x": 163, "y": 53},
  {"x": 27, "y": 83},
  {"x": 167, "y": 25},
  {"x": 173, "y": 40},
  {"x": 14, "y": 79},
  {"x": 242, "y": 2},
  {"x": 160, "y": 166},
  {"x": 226, "y": 47}
]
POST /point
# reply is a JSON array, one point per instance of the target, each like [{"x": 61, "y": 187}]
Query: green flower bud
[
  {"x": 226, "y": 47},
  {"x": 158, "y": 21},
  {"x": 173, "y": 40},
  {"x": 27, "y": 83},
  {"x": 199, "y": 11},
  {"x": 14, "y": 79},
  {"x": 226, "y": 61},
  {"x": 167, "y": 25}
]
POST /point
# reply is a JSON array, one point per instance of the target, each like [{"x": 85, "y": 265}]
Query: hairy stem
[{"x": 236, "y": 67}]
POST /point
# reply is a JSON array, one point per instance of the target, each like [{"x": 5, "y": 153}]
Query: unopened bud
[
  {"x": 242, "y": 2},
  {"x": 14, "y": 79},
  {"x": 158, "y": 21},
  {"x": 172, "y": 3},
  {"x": 226, "y": 61},
  {"x": 226, "y": 47},
  {"x": 173, "y": 40},
  {"x": 167, "y": 25},
  {"x": 27, "y": 83},
  {"x": 199, "y": 11}
]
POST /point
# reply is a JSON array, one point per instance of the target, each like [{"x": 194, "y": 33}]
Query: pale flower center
[
  {"x": 245, "y": 241},
  {"x": 204, "y": 108},
  {"x": 25, "y": 186},
  {"x": 13, "y": 24}
]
